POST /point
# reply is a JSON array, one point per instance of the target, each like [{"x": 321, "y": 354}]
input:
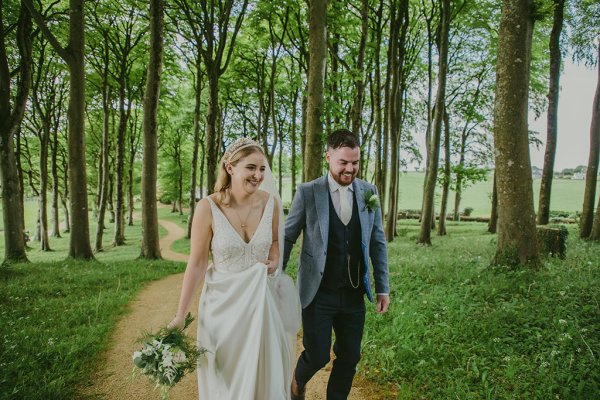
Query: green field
[{"x": 567, "y": 195}]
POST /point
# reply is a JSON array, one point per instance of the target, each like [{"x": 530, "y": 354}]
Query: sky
[{"x": 577, "y": 87}]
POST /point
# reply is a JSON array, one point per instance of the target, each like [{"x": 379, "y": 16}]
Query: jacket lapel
[
  {"x": 365, "y": 229},
  {"x": 362, "y": 212},
  {"x": 322, "y": 204}
]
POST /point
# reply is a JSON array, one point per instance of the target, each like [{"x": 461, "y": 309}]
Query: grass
[
  {"x": 56, "y": 318},
  {"x": 458, "y": 329},
  {"x": 56, "y": 314}
]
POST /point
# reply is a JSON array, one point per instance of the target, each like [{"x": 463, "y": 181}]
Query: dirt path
[{"x": 148, "y": 312}]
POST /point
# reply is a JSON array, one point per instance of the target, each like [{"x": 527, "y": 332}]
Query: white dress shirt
[{"x": 335, "y": 194}]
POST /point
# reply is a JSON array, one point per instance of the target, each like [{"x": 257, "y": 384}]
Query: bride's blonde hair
[{"x": 238, "y": 150}]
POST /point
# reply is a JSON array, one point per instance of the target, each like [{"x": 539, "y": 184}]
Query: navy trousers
[{"x": 343, "y": 312}]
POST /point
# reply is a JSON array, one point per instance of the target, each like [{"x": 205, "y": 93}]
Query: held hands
[
  {"x": 383, "y": 302},
  {"x": 271, "y": 266}
]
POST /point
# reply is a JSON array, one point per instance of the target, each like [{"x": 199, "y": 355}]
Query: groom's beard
[{"x": 344, "y": 178}]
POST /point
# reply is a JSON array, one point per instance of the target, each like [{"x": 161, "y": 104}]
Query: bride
[{"x": 249, "y": 314}]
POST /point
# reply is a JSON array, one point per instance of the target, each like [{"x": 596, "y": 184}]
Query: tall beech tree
[
  {"x": 394, "y": 96},
  {"x": 99, "y": 59},
  {"x": 219, "y": 38},
  {"x": 11, "y": 115},
  {"x": 445, "y": 178},
  {"x": 55, "y": 145},
  {"x": 317, "y": 43},
  {"x": 552, "y": 115},
  {"x": 517, "y": 241},
  {"x": 150, "y": 242},
  {"x": 47, "y": 102},
  {"x": 591, "y": 176},
  {"x": 376, "y": 86},
  {"x": 438, "y": 120},
  {"x": 123, "y": 40},
  {"x": 73, "y": 56},
  {"x": 594, "y": 144}
]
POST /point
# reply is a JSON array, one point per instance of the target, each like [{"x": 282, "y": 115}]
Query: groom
[{"x": 342, "y": 226}]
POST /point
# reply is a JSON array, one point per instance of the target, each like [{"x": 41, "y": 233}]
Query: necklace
[{"x": 245, "y": 220}]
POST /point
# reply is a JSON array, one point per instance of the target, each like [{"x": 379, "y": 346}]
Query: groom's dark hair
[{"x": 342, "y": 138}]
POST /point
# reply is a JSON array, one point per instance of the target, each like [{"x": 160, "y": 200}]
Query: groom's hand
[{"x": 383, "y": 302}]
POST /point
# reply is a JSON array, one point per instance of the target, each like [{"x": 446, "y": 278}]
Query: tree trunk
[
  {"x": 202, "y": 167},
  {"x": 180, "y": 183},
  {"x": 552, "y": 117},
  {"x": 493, "y": 224},
  {"x": 280, "y": 163},
  {"x": 80, "y": 236},
  {"x": 119, "y": 237},
  {"x": 317, "y": 39},
  {"x": 446, "y": 185},
  {"x": 43, "y": 200},
  {"x": 427, "y": 213},
  {"x": 211, "y": 130},
  {"x": 293, "y": 134},
  {"x": 133, "y": 142},
  {"x": 396, "y": 54},
  {"x": 357, "y": 105},
  {"x": 64, "y": 197},
  {"x": 109, "y": 199},
  {"x": 104, "y": 164},
  {"x": 55, "y": 183},
  {"x": 517, "y": 240},
  {"x": 591, "y": 176},
  {"x": 379, "y": 147},
  {"x": 303, "y": 134},
  {"x": 73, "y": 55},
  {"x": 595, "y": 235},
  {"x": 194, "y": 174},
  {"x": 44, "y": 85},
  {"x": 212, "y": 52},
  {"x": 594, "y": 144},
  {"x": 10, "y": 120},
  {"x": 20, "y": 178},
  {"x": 459, "y": 176},
  {"x": 430, "y": 42},
  {"x": 150, "y": 242}
]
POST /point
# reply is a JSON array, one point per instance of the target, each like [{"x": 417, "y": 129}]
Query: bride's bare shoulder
[
  {"x": 203, "y": 207},
  {"x": 264, "y": 196}
]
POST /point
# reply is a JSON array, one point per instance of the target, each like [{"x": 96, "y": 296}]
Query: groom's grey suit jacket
[{"x": 310, "y": 213}]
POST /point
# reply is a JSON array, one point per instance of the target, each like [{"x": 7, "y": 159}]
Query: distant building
[
  {"x": 536, "y": 173},
  {"x": 578, "y": 176}
]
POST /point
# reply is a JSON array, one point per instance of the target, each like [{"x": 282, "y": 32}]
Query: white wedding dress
[{"x": 250, "y": 352}]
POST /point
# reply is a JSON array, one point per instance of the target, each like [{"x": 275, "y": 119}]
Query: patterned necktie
[{"x": 345, "y": 209}]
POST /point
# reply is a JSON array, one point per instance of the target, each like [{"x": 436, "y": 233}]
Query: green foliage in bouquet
[{"x": 167, "y": 356}]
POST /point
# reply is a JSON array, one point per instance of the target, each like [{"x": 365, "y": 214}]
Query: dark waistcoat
[{"x": 344, "y": 251}]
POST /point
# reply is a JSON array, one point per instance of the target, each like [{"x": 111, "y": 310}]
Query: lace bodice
[{"x": 230, "y": 252}]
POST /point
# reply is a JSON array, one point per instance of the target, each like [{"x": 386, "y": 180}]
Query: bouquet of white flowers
[{"x": 167, "y": 356}]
